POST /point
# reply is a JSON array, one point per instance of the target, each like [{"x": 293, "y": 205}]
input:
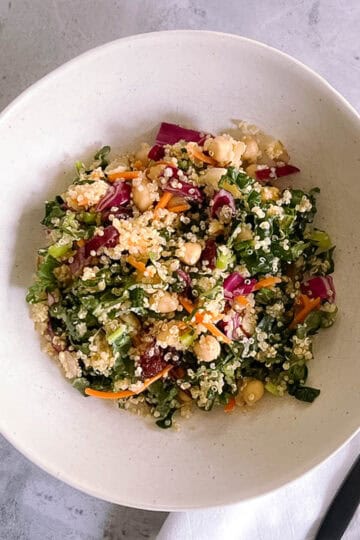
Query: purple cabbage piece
[
  {"x": 319, "y": 287},
  {"x": 236, "y": 284},
  {"x": 108, "y": 239},
  {"x": 184, "y": 189},
  {"x": 83, "y": 255},
  {"x": 58, "y": 347},
  {"x": 172, "y": 133},
  {"x": 79, "y": 261},
  {"x": 222, "y": 198},
  {"x": 117, "y": 195},
  {"x": 276, "y": 172},
  {"x": 209, "y": 253},
  {"x": 156, "y": 153}
]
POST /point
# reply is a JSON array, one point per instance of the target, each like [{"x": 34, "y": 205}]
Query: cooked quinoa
[{"x": 185, "y": 274}]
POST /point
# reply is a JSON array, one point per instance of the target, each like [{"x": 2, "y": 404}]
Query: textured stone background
[{"x": 36, "y": 36}]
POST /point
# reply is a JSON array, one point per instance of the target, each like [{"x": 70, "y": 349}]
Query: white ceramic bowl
[{"x": 117, "y": 94}]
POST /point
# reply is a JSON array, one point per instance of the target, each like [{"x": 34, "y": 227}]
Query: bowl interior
[{"x": 117, "y": 95}]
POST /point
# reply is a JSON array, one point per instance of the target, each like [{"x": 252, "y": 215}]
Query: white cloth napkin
[{"x": 293, "y": 512}]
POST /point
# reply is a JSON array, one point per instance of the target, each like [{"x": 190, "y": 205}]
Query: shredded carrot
[
  {"x": 230, "y": 406},
  {"x": 164, "y": 199},
  {"x": 199, "y": 319},
  {"x": 200, "y": 316},
  {"x": 266, "y": 282},
  {"x": 127, "y": 393},
  {"x": 180, "y": 208},
  {"x": 308, "y": 305},
  {"x": 242, "y": 300},
  {"x": 136, "y": 264},
  {"x": 216, "y": 332},
  {"x": 187, "y": 304},
  {"x": 81, "y": 242},
  {"x": 195, "y": 153},
  {"x": 123, "y": 175}
]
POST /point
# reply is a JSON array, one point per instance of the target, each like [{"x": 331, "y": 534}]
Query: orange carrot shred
[
  {"x": 164, "y": 199},
  {"x": 127, "y": 393},
  {"x": 266, "y": 282},
  {"x": 180, "y": 208},
  {"x": 216, "y": 332},
  {"x": 230, "y": 406},
  {"x": 81, "y": 242},
  {"x": 136, "y": 264},
  {"x": 187, "y": 304},
  {"x": 308, "y": 305},
  {"x": 199, "y": 319},
  {"x": 195, "y": 153},
  {"x": 242, "y": 300},
  {"x": 200, "y": 315},
  {"x": 123, "y": 175}
]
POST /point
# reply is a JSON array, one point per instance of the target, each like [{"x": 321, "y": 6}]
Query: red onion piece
[
  {"x": 117, "y": 195},
  {"x": 222, "y": 198},
  {"x": 230, "y": 327},
  {"x": 156, "y": 153},
  {"x": 172, "y": 133},
  {"x": 320, "y": 287},
  {"x": 209, "y": 253},
  {"x": 184, "y": 276},
  {"x": 183, "y": 189},
  {"x": 276, "y": 172}
]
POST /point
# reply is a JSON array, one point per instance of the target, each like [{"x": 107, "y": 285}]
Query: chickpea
[
  {"x": 142, "y": 153},
  {"x": 212, "y": 176},
  {"x": 164, "y": 302},
  {"x": 215, "y": 227},
  {"x": 225, "y": 150},
  {"x": 132, "y": 322},
  {"x": 270, "y": 193},
  {"x": 142, "y": 195},
  {"x": 253, "y": 391},
  {"x": 220, "y": 148},
  {"x": 244, "y": 234},
  {"x": 155, "y": 171},
  {"x": 190, "y": 253},
  {"x": 207, "y": 349},
  {"x": 248, "y": 323},
  {"x": 251, "y": 151}
]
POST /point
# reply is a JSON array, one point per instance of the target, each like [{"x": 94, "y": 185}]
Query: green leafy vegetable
[{"x": 45, "y": 281}]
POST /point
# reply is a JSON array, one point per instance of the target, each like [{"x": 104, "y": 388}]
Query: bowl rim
[{"x": 26, "y": 94}]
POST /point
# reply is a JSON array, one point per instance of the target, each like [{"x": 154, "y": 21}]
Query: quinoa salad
[{"x": 187, "y": 274}]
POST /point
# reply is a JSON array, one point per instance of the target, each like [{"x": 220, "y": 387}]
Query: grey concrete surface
[{"x": 36, "y": 36}]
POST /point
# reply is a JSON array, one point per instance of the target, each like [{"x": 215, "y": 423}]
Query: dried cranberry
[
  {"x": 156, "y": 152},
  {"x": 209, "y": 253},
  {"x": 152, "y": 361}
]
